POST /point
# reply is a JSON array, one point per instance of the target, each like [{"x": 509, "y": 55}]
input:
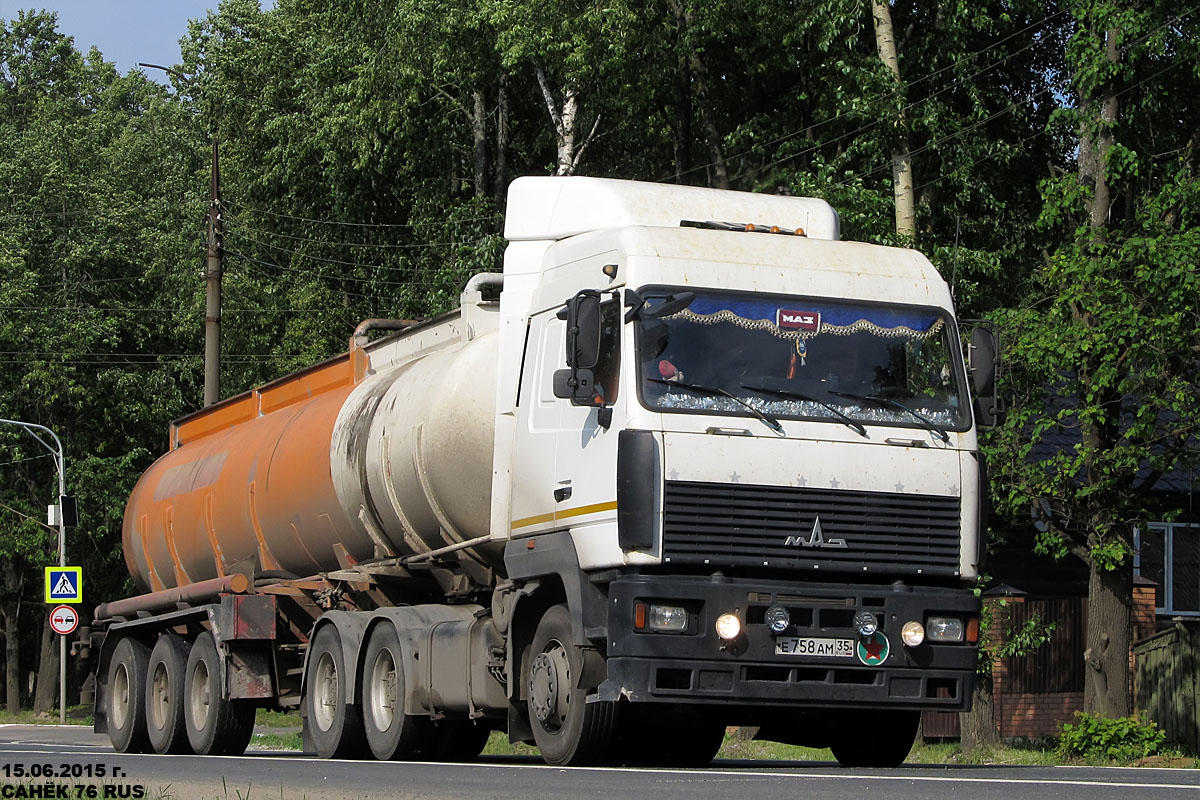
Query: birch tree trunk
[
  {"x": 902, "y": 167},
  {"x": 565, "y": 118}
]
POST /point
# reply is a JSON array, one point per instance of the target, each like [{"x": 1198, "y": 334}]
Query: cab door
[{"x": 539, "y": 422}]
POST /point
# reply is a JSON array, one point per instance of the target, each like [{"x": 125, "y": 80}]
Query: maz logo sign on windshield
[{"x": 798, "y": 320}]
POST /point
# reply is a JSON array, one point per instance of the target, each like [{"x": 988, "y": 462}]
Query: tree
[{"x": 1111, "y": 328}]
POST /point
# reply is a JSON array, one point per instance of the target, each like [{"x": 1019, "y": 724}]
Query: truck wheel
[
  {"x": 215, "y": 724},
  {"x": 125, "y": 693},
  {"x": 392, "y": 735},
  {"x": 568, "y": 730},
  {"x": 164, "y": 695},
  {"x": 335, "y": 726},
  {"x": 891, "y": 737}
]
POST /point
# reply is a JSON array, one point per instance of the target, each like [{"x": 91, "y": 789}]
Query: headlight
[
  {"x": 667, "y": 618},
  {"x": 729, "y": 627},
  {"x": 913, "y": 633},
  {"x": 944, "y": 629}
]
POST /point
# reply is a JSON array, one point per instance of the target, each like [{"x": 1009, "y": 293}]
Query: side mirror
[
  {"x": 577, "y": 382},
  {"x": 983, "y": 362},
  {"x": 582, "y": 314}
]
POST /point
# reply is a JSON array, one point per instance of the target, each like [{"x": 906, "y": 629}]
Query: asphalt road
[{"x": 262, "y": 775}]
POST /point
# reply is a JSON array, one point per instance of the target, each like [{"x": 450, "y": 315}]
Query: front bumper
[{"x": 699, "y": 668}]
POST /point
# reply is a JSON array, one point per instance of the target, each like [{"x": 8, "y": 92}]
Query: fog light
[
  {"x": 668, "y": 618},
  {"x": 865, "y": 623},
  {"x": 729, "y": 627},
  {"x": 944, "y": 629},
  {"x": 913, "y": 633},
  {"x": 777, "y": 618}
]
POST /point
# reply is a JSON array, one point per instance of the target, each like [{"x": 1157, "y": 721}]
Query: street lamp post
[
  {"x": 60, "y": 462},
  {"x": 214, "y": 257}
]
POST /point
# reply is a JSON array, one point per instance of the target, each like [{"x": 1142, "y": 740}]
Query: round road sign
[{"x": 64, "y": 620}]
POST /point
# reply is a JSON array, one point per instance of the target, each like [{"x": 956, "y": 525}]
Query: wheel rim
[
  {"x": 325, "y": 692},
  {"x": 120, "y": 696},
  {"x": 550, "y": 686},
  {"x": 200, "y": 696},
  {"x": 383, "y": 690},
  {"x": 160, "y": 696}
]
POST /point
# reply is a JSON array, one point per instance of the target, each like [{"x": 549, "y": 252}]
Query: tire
[
  {"x": 334, "y": 726},
  {"x": 125, "y": 697},
  {"x": 891, "y": 737},
  {"x": 568, "y": 730},
  {"x": 391, "y": 734},
  {"x": 215, "y": 725},
  {"x": 164, "y": 695}
]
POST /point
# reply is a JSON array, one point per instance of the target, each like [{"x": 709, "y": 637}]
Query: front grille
[{"x": 734, "y": 524}]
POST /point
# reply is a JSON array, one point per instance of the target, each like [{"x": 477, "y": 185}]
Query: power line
[
  {"x": 356, "y": 224},
  {"x": 884, "y": 97}
]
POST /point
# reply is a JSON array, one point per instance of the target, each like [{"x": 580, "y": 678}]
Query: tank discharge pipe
[
  {"x": 190, "y": 593},
  {"x": 377, "y": 324}
]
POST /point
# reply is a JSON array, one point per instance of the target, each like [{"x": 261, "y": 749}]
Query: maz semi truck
[{"x": 689, "y": 462}]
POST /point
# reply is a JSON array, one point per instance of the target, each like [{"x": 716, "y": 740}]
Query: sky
[{"x": 126, "y": 31}]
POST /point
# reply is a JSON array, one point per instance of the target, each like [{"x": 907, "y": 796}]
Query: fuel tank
[{"x": 377, "y": 453}]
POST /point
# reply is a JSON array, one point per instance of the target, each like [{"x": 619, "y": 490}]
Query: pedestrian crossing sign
[{"x": 64, "y": 584}]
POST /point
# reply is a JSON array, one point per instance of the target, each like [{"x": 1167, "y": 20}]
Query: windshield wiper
[
  {"x": 927, "y": 423},
  {"x": 852, "y": 423},
  {"x": 713, "y": 391}
]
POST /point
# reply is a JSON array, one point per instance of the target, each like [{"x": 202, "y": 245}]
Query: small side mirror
[
  {"x": 672, "y": 304},
  {"x": 578, "y": 386}
]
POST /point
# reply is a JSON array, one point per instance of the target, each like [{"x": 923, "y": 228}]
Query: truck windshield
[{"x": 805, "y": 358}]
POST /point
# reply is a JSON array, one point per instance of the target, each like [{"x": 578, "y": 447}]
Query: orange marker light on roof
[
  {"x": 749, "y": 226},
  {"x": 800, "y": 232}
]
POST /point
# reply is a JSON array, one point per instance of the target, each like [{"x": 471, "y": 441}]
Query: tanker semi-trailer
[{"x": 700, "y": 464}]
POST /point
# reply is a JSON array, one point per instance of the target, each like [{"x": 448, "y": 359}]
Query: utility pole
[
  {"x": 213, "y": 268},
  {"x": 212, "y": 301},
  {"x": 60, "y": 462}
]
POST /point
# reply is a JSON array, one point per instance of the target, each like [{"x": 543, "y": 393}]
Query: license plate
[{"x": 808, "y": 646}]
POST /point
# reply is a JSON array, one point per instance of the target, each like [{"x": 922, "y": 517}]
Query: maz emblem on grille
[{"x": 815, "y": 538}]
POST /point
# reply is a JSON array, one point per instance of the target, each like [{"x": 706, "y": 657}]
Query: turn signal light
[{"x": 973, "y": 630}]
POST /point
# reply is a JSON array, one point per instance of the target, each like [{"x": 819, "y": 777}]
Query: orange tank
[{"x": 287, "y": 477}]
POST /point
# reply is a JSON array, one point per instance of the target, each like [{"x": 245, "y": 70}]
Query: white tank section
[{"x": 411, "y": 452}]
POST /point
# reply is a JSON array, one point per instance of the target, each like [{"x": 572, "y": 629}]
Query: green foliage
[{"x": 1123, "y": 739}]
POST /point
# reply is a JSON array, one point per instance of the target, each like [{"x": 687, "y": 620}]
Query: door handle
[{"x": 562, "y": 493}]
